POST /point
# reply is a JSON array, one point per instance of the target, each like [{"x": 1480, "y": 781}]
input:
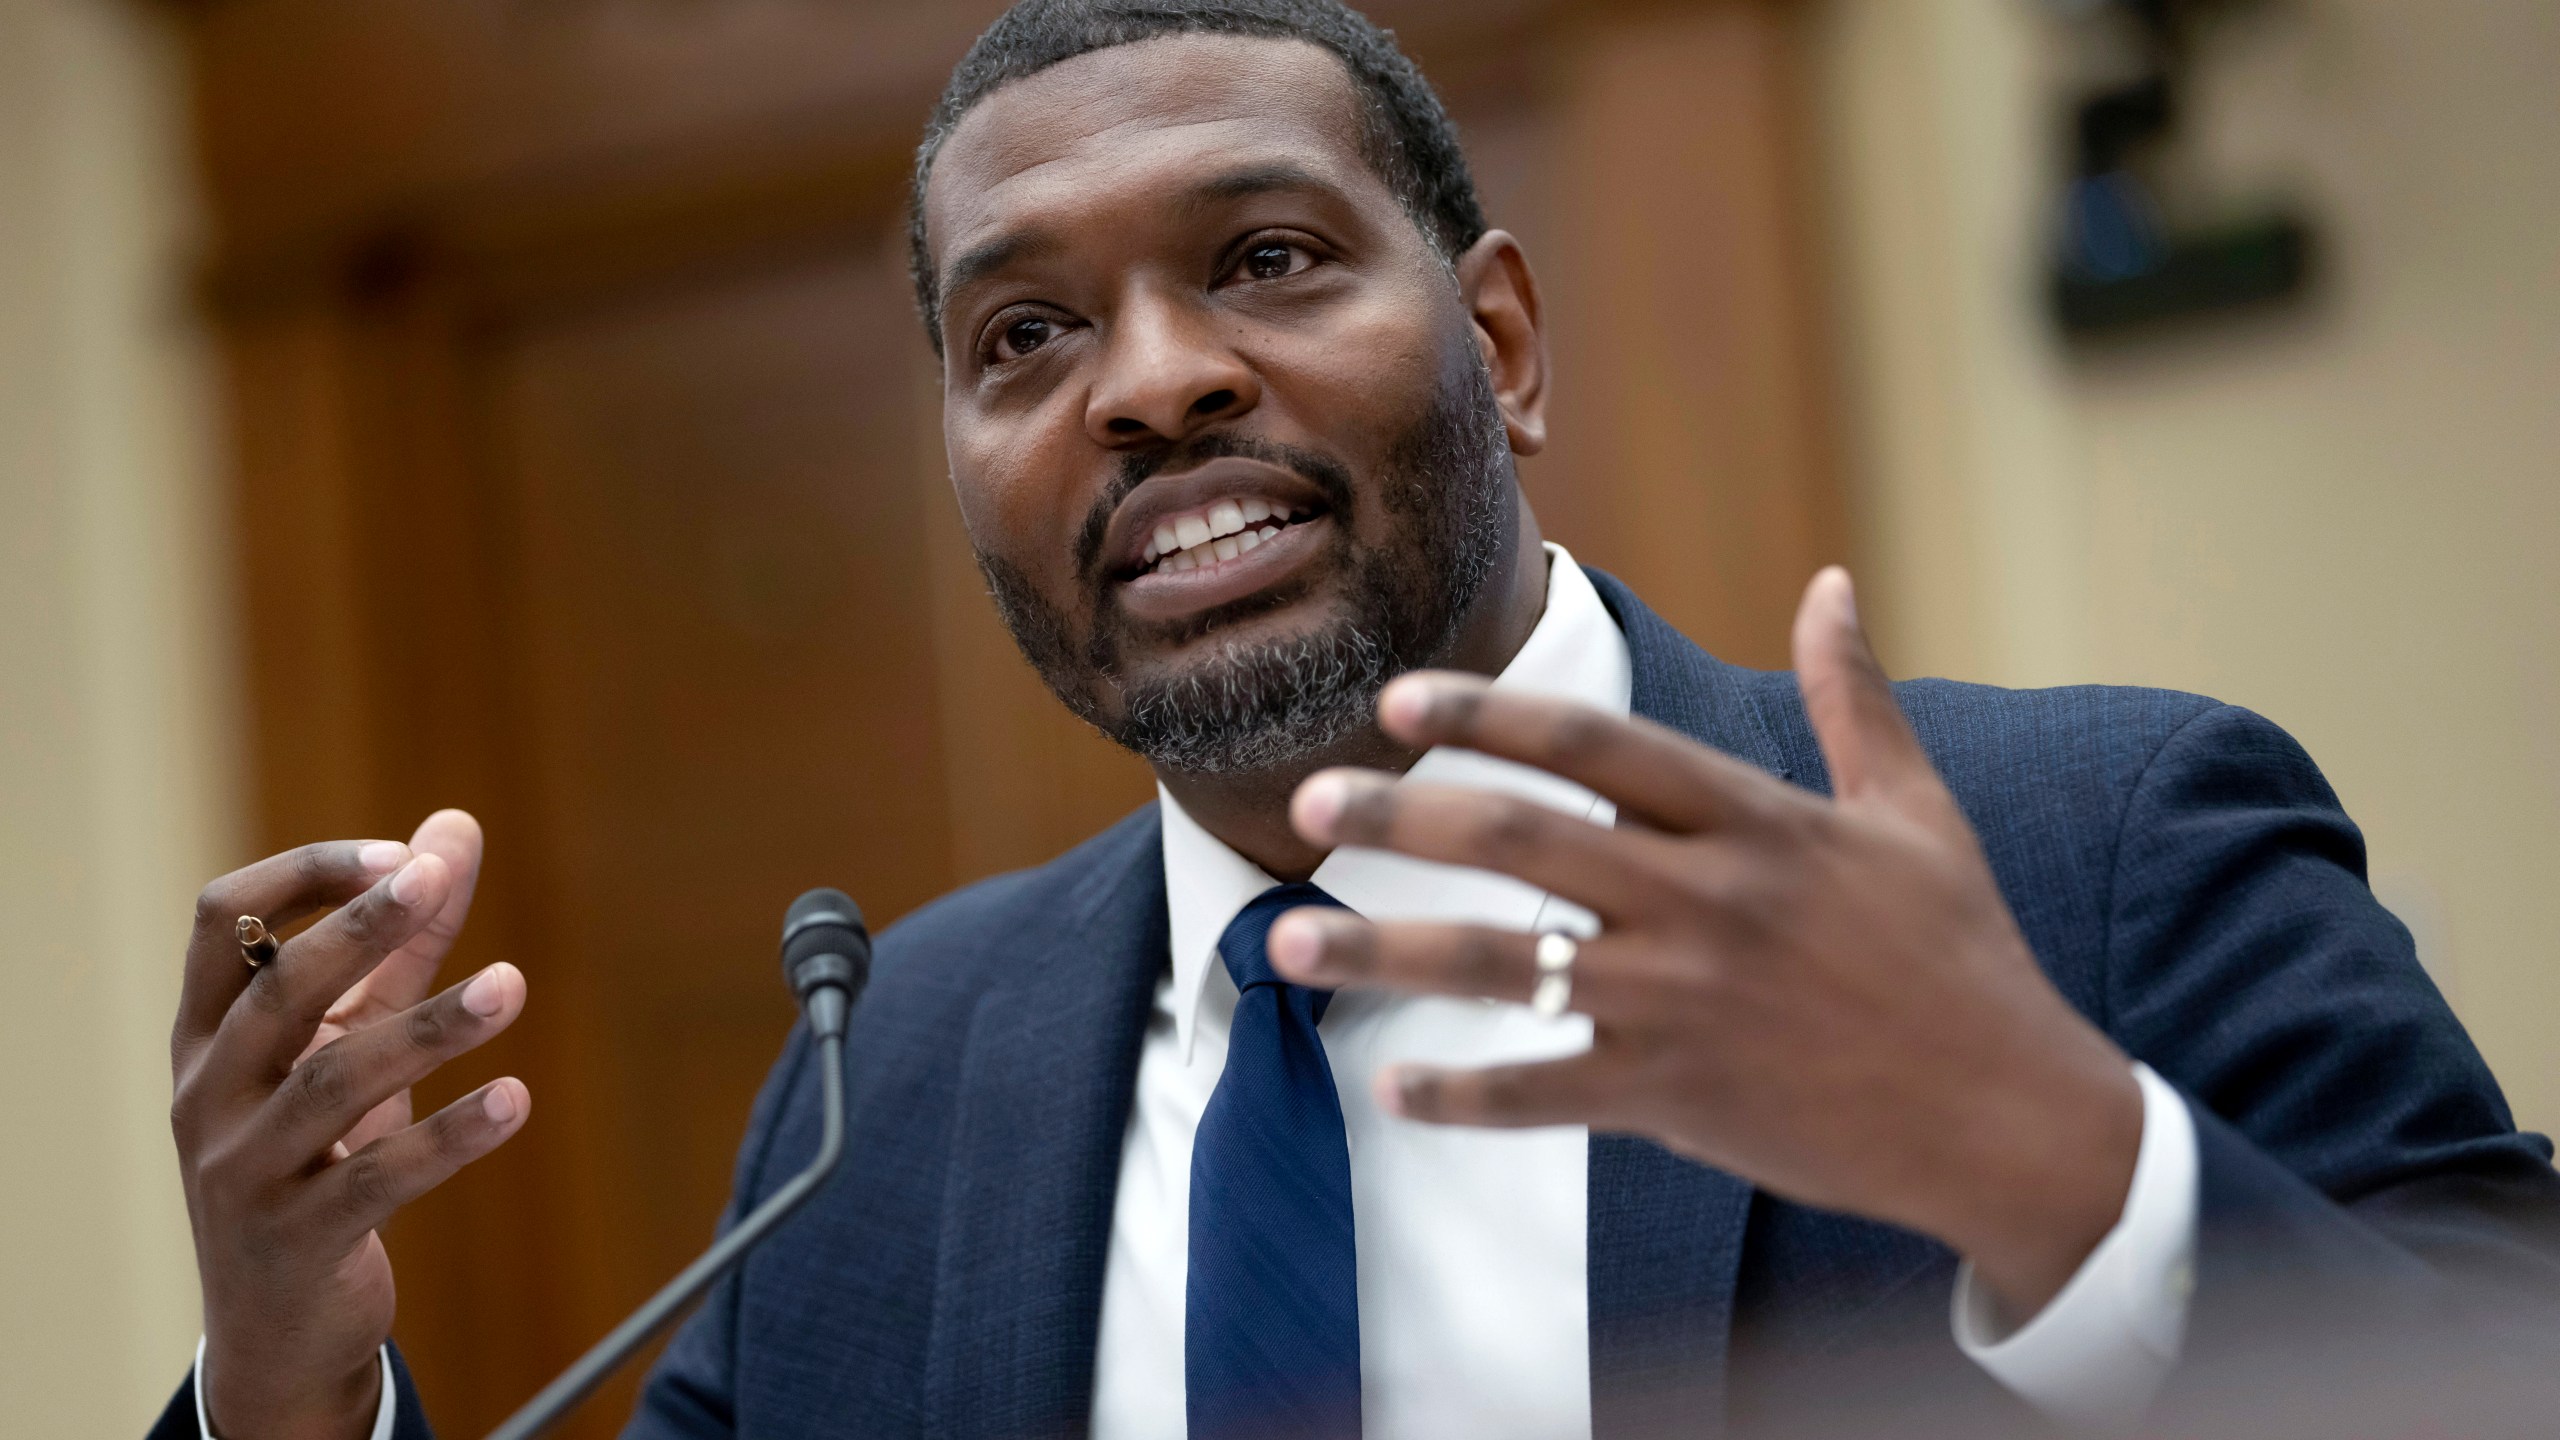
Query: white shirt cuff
[
  {"x": 2098, "y": 1351},
  {"x": 382, "y": 1413}
]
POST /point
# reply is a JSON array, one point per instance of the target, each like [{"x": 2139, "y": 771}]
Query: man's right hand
[{"x": 292, "y": 1113}]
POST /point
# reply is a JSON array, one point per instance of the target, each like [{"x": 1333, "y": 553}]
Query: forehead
[{"x": 1143, "y": 116}]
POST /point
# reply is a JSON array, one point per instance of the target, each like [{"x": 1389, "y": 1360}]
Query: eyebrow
[
  {"x": 986, "y": 259},
  {"x": 1255, "y": 180},
  {"x": 983, "y": 260}
]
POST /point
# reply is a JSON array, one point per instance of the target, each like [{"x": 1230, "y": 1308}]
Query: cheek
[
  {"x": 1364, "y": 381},
  {"x": 1019, "y": 499}
]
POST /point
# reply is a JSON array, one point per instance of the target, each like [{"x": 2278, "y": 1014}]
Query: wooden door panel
[
  {"x": 724, "y": 693},
  {"x": 722, "y": 603}
]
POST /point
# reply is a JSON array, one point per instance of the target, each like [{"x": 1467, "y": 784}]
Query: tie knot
[{"x": 1242, "y": 947}]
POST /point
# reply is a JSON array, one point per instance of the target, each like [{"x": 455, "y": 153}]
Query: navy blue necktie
[{"x": 1272, "y": 1314}]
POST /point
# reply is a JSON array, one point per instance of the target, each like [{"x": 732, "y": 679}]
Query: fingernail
[
  {"x": 499, "y": 1104},
  {"x": 409, "y": 883},
  {"x": 482, "y": 997},
  {"x": 1405, "y": 703},
  {"x": 1297, "y": 945},
  {"x": 1848, "y": 594},
  {"x": 1319, "y": 803},
  {"x": 381, "y": 856}
]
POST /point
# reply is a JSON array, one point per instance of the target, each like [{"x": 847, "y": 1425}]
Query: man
[{"x": 1667, "y": 1050}]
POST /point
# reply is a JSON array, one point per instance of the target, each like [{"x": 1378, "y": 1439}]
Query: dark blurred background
[{"x": 518, "y": 404}]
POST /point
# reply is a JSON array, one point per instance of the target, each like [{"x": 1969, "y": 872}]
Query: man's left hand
[{"x": 1827, "y": 997}]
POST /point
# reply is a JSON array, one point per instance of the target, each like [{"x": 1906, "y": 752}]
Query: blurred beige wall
[
  {"x": 115, "y": 764},
  {"x": 2344, "y": 518}
]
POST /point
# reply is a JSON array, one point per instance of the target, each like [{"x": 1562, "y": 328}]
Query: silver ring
[{"x": 1555, "y": 974}]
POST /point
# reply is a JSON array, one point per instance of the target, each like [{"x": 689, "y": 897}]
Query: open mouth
[
  {"x": 1215, "y": 534},
  {"x": 1229, "y": 529}
]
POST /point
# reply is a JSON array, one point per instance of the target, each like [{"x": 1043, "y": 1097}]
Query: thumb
[
  {"x": 1869, "y": 746},
  {"x": 455, "y": 835},
  {"x": 408, "y": 975}
]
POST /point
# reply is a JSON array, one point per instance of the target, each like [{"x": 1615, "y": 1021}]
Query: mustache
[{"x": 1326, "y": 473}]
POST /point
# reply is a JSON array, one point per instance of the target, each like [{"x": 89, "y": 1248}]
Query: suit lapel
[
  {"x": 1666, "y": 1233},
  {"x": 1046, "y": 1081}
]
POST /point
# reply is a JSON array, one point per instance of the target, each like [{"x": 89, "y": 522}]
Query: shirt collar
[{"x": 1575, "y": 652}]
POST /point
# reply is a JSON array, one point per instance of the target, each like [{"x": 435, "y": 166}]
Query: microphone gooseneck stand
[
  {"x": 826, "y": 955},
  {"x": 563, "y": 1394}
]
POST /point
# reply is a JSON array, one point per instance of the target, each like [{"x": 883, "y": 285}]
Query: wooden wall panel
[
  {"x": 719, "y": 646},
  {"x": 1691, "y": 455},
  {"x": 287, "y": 382},
  {"x": 371, "y": 572}
]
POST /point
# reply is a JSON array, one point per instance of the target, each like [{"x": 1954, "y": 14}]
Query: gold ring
[
  {"x": 257, "y": 942},
  {"x": 1556, "y": 951}
]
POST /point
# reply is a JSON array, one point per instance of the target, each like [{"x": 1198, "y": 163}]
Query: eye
[
  {"x": 1022, "y": 335},
  {"x": 1273, "y": 260}
]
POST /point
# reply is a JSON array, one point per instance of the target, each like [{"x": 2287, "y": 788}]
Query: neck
[{"x": 1250, "y": 811}]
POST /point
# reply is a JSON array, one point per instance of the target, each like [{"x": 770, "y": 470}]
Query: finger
[
  {"x": 1332, "y": 949},
  {"x": 408, "y": 974},
  {"x": 1654, "y": 775},
  {"x": 1578, "y": 1090},
  {"x": 362, "y": 1191},
  {"x": 1869, "y": 746},
  {"x": 279, "y": 890},
  {"x": 1555, "y": 852},
  {"x": 337, "y": 1086},
  {"x": 272, "y": 1022}
]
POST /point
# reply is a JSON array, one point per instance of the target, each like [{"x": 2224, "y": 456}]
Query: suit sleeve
[
  {"x": 691, "y": 1393},
  {"x": 182, "y": 1420},
  {"x": 2360, "y": 1177}
]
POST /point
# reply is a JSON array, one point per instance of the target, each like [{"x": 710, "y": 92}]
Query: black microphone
[{"x": 826, "y": 955}]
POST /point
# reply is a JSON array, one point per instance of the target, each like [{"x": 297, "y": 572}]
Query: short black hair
[{"x": 1404, "y": 133}]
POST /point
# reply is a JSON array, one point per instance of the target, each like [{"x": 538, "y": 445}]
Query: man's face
[{"x": 1218, "y": 425}]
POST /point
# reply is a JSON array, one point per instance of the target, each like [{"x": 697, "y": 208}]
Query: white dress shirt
[
  {"x": 1472, "y": 1271},
  {"x": 1472, "y": 1267}
]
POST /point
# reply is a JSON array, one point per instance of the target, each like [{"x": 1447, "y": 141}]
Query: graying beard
[
  {"x": 1260, "y": 707},
  {"x": 1273, "y": 705}
]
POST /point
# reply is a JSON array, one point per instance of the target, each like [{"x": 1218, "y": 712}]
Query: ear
[{"x": 1501, "y": 297}]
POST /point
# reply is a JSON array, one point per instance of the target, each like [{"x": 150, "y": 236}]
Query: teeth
[{"x": 1228, "y": 529}]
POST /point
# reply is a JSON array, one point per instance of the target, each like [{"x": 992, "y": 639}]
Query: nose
[{"x": 1166, "y": 374}]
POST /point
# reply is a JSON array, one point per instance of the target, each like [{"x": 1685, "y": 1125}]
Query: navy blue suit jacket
[{"x": 2183, "y": 873}]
